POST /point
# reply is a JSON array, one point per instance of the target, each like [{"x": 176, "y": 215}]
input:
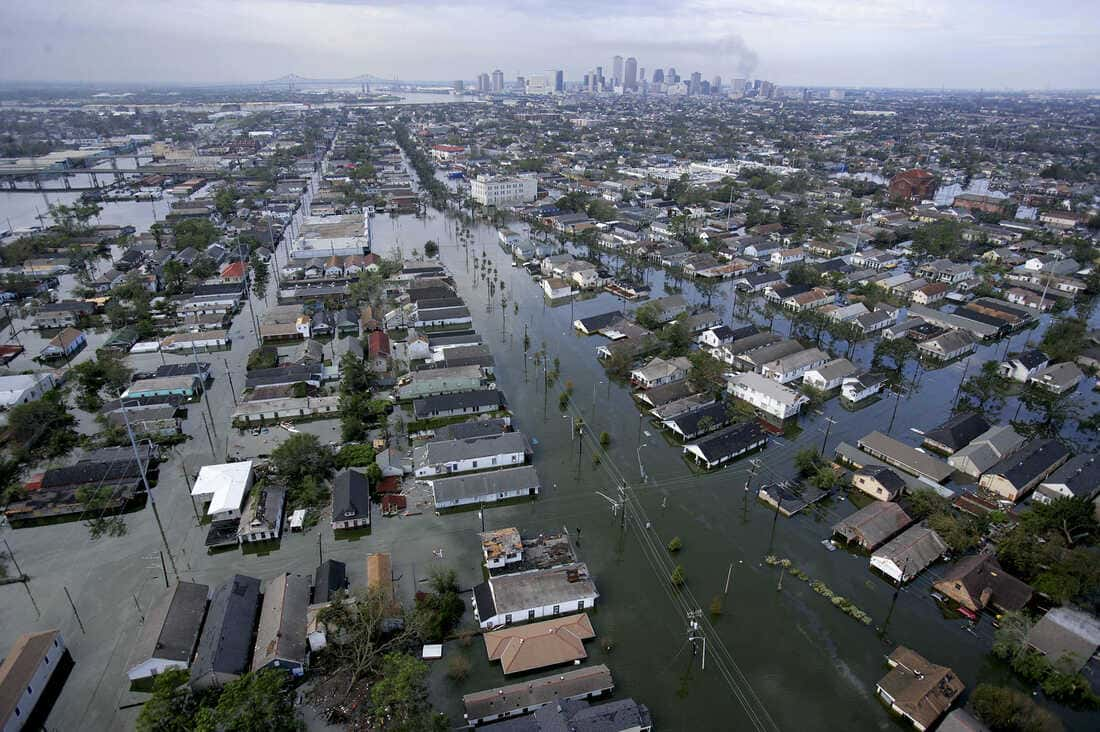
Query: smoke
[
  {"x": 728, "y": 51},
  {"x": 734, "y": 50}
]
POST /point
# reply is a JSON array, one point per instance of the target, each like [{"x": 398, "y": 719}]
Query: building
[
  {"x": 909, "y": 554},
  {"x": 462, "y": 456},
  {"x": 288, "y": 409},
  {"x": 187, "y": 387},
  {"x": 1024, "y": 365},
  {"x": 170, "y": 632},
  {"x": 878, "y": 481},
  {"x": 986, "y": 450},
  {"x": 727, "y": 445},
  {"x": 914, "y": 185},
  {"x": 539, "y": 645},
  {"x": 1015, "y": 475},
  {"x": 23, "y": 388},
  {"x": 920, "y": 691},
  {"x": 659, "y": 371},
  {"x": 486, "y": 487},
  {"x": 431, "y": 382},
  {"x": 64, "y": 344},
  {"x": 555, "y": 288},
  {"x": 351, "y": 506},
  {"x": 330, "y": 578},
  {"x": 452, "y": 405},
  {"x": 767, "y": 395},
  {"x": 579, "y": 715},
  {"x": 281, "y": 635},
  {"x": 1078, "y": 477},
  {"x": 225, "y": 487},
  {"x": 501, "y": 190},
  {"x": 857, "y": 388},
  {"x": 25, "y": 673},
  {"x": 873, "y": 525},
  {"x": 262, "y": 517},
  {"x": 978, "y": 582},
  {"x": 956, "y": 433},
  {"x": 948, "y": 346},
  {"x": 793, "y": 367},
  {"x": 909, "y": 459},
  {"x": 829, "y": 375},
  {"x": 1069, "y": 638},
  {"x": 501, "y": 547},
  {"x": 540, "y": 593},
  {"x": 695, "y": 422},
  {"x": 1058, "y": 378},
  {"x": 527, "y": 696},
  {"x": 226, "y": 639}
]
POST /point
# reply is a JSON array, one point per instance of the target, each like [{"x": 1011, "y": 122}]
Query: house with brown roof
[
  {"x": 281, "y": 635},
  {"x": 878, "y": 481},
  {"x": 24, "y": 674},
  {"x": 539, "y": 645},
  {"x": 978, "y": 582},
  {"x": 917, "y": 689},
  {"x": 913, "y": 185},
  {"x": 873, "y": 524}
]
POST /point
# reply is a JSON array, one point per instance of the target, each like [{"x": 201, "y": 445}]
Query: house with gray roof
[
  {"x": 462, "y": 456},
  {"x": 170, "y": 632},
  {"x": 486, "y": 487},
  {"x": 281, "y": 635},
  {"x": 1079, "y": 477},
  {"x": 225, "y": 643},
  {"x": 541, "y": 593},
  {"x": 985, "y": 450},
  {"x": 1014, "y": 476},
  {"x": 873, "y": 524},
  {"x": 909, "y": 554},
  {"x": 1067, "y": 637}
]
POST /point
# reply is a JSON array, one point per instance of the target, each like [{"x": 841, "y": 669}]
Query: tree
[
  {"x": 1074, "y": 519},
  {"x": 263, "y": 700},
  {"x": 601, "y": 210},
  {"x": 360, "y": 632},
  {"x": 803, "y": 274},
  {"x": 986, "y": 390},
  {"x": 225, "y": 201},
  {"x": 1007, "y": 710},
  {"x": 196, "y": 233},
  {"x": 431, "y": 249},
  {"x": 107, "y": 371},
  {"x": 261, "y": 275},
  {"x": 706, "y": 373},
  {"x": 677, "y": 578},
  {"x": 807, "y": 461},
  {"x": 893, "y": 354},
  {"x": 439, "y": 611},
  {"x": 399, "y": 697},
  {"x": 42, "y": 426},
  {"x": 677, "y": 338},
  {"x": 174, "y": 275},
  {"x": 1065, "y": 339},
  {"x": 301, "y": 456},
  {"x": 172, "y": 706},
  {"x": 675, "y": 545},
  {"x": 605, "y": 439},
  {"x": 649, "y": 316},
  {"x": 618, "y": 364},
  {"x": 355, "y": 456}
]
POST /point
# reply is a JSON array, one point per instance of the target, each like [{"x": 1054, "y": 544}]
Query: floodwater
[{"x": 782, "y": 653}]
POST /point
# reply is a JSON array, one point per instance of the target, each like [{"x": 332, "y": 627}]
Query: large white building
[
  {"x": 766, "y": 395},
  {"x": 497, "y": 190}
]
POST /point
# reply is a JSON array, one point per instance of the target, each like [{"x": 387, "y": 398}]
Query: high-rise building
[
  {"x": 696, "y": 85},
  {"x": 538, "y": 84},
  {"x": 630, "y": 80},
  {"x": 670, "y": 76},
  {"x": 498, "y": 81},
  {"x": 483, "y": 83},
  {"x": 716, "y": 85},
  {"x": 521, "y": 84},
  {"x": 458, "y": 85},
  {"x": 641, "y": 74},
  {"x": 617, "y": 71},
  {"x": 738, "y": 86},
  {"x": 559, "y": 81},
  {"x": 658, "y": 76}
]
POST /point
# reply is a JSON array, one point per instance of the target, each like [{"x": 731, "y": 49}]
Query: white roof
[
  {"x": 225, "y": 484},
  {"x": 298, "y": 518},
  {"x": 432, "y": 650}
]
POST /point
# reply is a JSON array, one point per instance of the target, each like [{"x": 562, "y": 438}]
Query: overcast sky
[{"x": 924, "y": 43}]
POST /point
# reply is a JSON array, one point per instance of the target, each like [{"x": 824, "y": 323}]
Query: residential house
[
  {"x": 501, "y": 547},
  {"x": 909, "y": 554},
  {"x": 351, "y": 507},
  {"x": 1015, "y": 475},
  {"x": 985, "y": 450},
  {"x": 226, "y": 639},
  {"x": 281, "y": 634},
  {"x": 767, "y": 395},
  {"x": 170, "y": 631},
  {"x": 556, "y": 288},
  {"x": 909, "y": 459},
  {"x": 855, "y": 389},
  {"x": 64, "y": 314},
  {"x": 873, "y": 525},
  {"x": 262, "y": 516},
  {"x": 946, "y": 271},
  {"x": 225, "y": 487},
  {"x": 979, "y": 582},
  {"x": 556, "y": 692},
  {"x": 484, "y": 487},
  {"x": 918, "y": 690},
  {"x": 63, "y": 345},
  {"x": 431, "y": 382},
  {"x": 948, "y": 346},
  {"x": 791, "y": 368},
  {"x": 452, "y": 405},
  {"x": 539, "y": 645},
  {"x": 1068, "y": 637},
  {"x": 879, "y": 482},
  {"x": 1024, "y": 365},
  {"x": 540, "y": 593},
  {"x": 928, "y": 294},
  {"x": 829, "y": 375},
  {"x": 814, "y": 298},
  {"x": 727, "y": 445},
  {"x": 660, "y": 371},
  {"x": 693, "y": 423},
  {"x": 462, "y": 456},
  {"x": 1058, "y": 378},
  {"x": 956, "y": 433},
  {"x": 1079, "y": 477},
  {"x": 22, "y": 388},
  {"x": 25, "y": 673}
]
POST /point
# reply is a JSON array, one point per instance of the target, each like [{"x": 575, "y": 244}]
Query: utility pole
[
  {"x": 894, "y": 600},
  {"x": 320, "y": 550},
  {"x": 895, "y": 412},
  {"x": 73, "y": 606},
  {"x": 205, "y": 395},
  {"x": 775, "y": 516},
  {"x": 829, "y": 422},
  {"x": 164, "y": 569},
  {"x": 958, "y": 392},
  {"x": 148, "y": 492},
  {"x": 11, "y": 556},
  {"x": 208, "y": 437},
  {"x": 729, "y": 574},
  {"x": 232, "y": 389}
]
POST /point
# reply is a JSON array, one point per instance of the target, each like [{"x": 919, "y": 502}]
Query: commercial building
[
  {"x": 332, "y": 236},
  {"x": 501, "y": 190}
]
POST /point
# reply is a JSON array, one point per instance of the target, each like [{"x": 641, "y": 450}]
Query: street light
[{"x": 641, "y": 468}]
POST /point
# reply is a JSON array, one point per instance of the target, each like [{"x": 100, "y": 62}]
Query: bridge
[{"x": 295, "y": 80}]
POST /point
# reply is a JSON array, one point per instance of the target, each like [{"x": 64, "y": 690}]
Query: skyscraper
[
  {"x": 696, "y": 86},
  {"x": 670, "y": 75},
  {"x": 659, "y": 76},
  {"x": 630, "y": 80},
  {"x": 716, "y": 85},
  {"x": 483, "y": 83},
  {"x": 738, "y": 86},
  {"x": 498, "y": 81},
  {"x": 559, "y": 81},
  {"x": 617, "y": 70}
]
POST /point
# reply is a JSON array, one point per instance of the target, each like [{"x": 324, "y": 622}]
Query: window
[
  {"x": 557, "y": 609},
  {"x": 30, "y": 690},
  {"x": 508, "y": 618},
  {"x": 530, "y": 614},
  {"x": 580, "y": 604}
]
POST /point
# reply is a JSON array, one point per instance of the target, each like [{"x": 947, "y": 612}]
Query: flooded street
[{"x": 790, "y": 645}]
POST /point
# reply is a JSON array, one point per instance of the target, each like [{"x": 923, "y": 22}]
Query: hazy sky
[{"x": 924, "y": 43}]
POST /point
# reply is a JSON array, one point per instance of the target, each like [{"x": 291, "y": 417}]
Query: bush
[
  {"x": 675, "y": 544},
  {"x": 458, "y": 668},
  {"x": 677, "y": 577},
  {"x": 716, "y": 606},
  {"x": 1008, "y": 710},
  {"x": 605, "y": 440}
]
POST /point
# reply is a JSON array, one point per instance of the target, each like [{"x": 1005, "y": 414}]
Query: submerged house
[
  {"x": 909, "y": 554},
  {"x": 226, "y": 639},
  {"x": 918, "y": 690},
  {"x": 170, "y": 632}
]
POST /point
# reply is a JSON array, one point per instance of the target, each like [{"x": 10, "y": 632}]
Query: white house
[
  {"x": 830, "y": 375},
  {"x": 500, "y": 190},
  {"x": 539, "y": 593},
  {"x": 462, "y": 456},
  {"x": 485, "y": 487},
  {"x": 501, "y": 547},
  {"x": 225, "y": 487},
  {"x": 787, "y": 257},
  {"x": 857, "y": 388},
  {"x": 1024, "y": 365},
  {"x": 556, "y": 288},
  {"x": 793, "y": 367},
  {"x": 23, "y": 388},
  {"x": 767, "y": 395},
  {"x": 25, "y": 674},
  {"x": 660, "y": 371},
  {"x": 907, "y": 555}
]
